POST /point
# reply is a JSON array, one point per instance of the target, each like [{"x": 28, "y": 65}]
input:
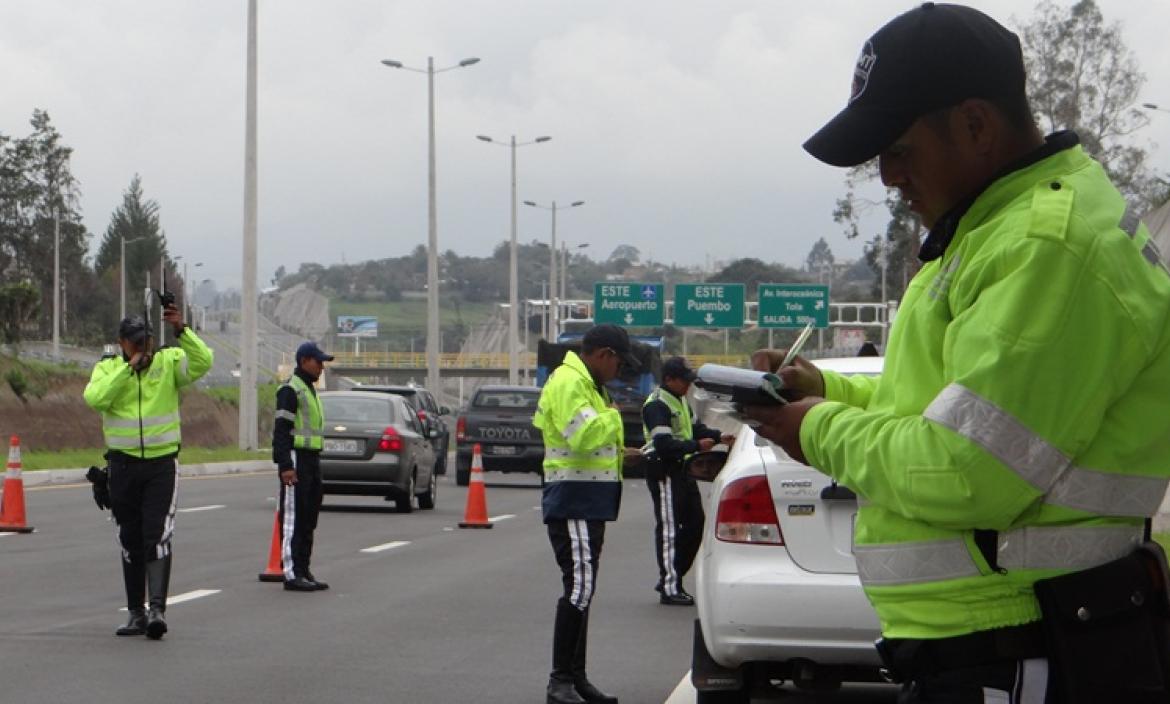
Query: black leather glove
[{"x": 100, "y": 478}]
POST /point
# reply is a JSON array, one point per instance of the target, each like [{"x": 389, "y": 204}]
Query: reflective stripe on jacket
[
  {"x": 309, "y": 422},
  {"x": 582, "y": 446},
  {"x": 140, "y": 411},
  {"x": 1023, "y": 395}
]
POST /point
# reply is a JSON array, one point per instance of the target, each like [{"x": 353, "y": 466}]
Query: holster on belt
[{"x": 1108, "y": 630}]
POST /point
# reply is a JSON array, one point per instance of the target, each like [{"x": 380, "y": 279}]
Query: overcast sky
[{"x": 679, "y": 123}]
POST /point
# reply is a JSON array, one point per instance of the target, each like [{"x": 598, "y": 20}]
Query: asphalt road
[{"x": 419, "y": 610}]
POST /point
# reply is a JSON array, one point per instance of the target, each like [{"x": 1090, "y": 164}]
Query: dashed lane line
[
  {"x": 501, "y": 517},
  {"x": 187, "y": 596},
  {"x": 201, "y": 508},
  {"x": 386, "y": 546}
]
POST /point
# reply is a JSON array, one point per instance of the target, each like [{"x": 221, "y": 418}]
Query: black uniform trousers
[
  {"x": 1004, "y": 682},
  {"x": 142, "y": 499},
  {"x": 300, "y": 504},
  {"x": 576, "y": 545},
  {"x": 678, "y": 522}
]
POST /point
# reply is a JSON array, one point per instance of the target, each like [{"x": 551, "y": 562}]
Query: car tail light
[
  {"x": 422, "y": 415},
  {"x": 461, "y": 429},
  {"x": 391, "y": 441},
  {"x": 746, "y": 513}
]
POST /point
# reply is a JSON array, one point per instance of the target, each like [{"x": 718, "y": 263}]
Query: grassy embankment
[{"x": 72, "y": 459}]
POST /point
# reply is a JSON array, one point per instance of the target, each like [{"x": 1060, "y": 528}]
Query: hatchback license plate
[
  {"x": 346, "y": 446},
  {"x": 503, "y": 449}
]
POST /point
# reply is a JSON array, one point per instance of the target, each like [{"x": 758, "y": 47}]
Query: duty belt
[{"x": 909, "y": 659}]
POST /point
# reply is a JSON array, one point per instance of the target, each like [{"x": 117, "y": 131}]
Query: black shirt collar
[
  {"x": 309, "y": 381},
  {"x": 943, "y": 232}
]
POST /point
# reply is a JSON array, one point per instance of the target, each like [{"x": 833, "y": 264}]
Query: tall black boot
[
  {"x": 158, "y": 579},
  {"x": 581, "y": 683},
  {"x": 566, "y": 633},
  {"x": 134, "y": 579}
]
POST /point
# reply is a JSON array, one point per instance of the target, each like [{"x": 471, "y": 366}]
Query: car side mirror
[
  {"x": 705, "y": 466},
  {"x": 444, "y": 411}
]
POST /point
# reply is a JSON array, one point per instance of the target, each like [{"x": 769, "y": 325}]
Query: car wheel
[
  {"x": 405, "y": 503},
  {"x": 427, "y": 499},
  {"x": 462, "y": 470}
]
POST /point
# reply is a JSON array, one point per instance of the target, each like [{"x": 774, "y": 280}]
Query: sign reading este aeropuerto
[
  {"x": 708, "y": 305},
  {"x": 636, "y": 305},
  {"x": 793, "y": 305}
]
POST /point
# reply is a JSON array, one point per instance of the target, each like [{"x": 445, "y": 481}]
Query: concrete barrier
[{"x": 49, "y": 477}]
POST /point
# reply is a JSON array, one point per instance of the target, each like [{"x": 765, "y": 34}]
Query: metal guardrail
[{"x": 483, "y": 360}]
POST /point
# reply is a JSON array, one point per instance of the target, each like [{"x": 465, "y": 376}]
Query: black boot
[
  {"x": 581, "y": 683},
  {"x": 566, "y": 634},
  {"x": 134, "y": 579},
  {"x": 321, "y": 586},
  {"x": 158, "y": 579},
  {"x": 136, "y": 625}
]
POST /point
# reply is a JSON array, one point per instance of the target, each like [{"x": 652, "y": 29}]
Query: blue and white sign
[{"x": 357, "y": 326}]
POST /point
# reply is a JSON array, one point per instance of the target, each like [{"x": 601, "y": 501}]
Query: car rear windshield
[
  {"x": 512, "y": 400},
  {"x": 358, "y": 410}
]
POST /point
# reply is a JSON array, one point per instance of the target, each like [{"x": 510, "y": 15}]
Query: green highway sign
[
  {"x": 708, "y": 305},
  {"x": 793, "y": 305},
  {"x": 628, "y": 304}
]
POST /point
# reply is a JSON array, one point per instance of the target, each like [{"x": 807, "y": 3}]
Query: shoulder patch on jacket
[{"x": 1052, "y": 204}]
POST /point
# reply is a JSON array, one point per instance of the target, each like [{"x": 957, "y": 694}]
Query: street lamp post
[
  {"x": 513, "y": 337},
  {"x": 565, "y": 268},
  {"x": 56, "y": 283},
  {"x": 554, "y": 331},
  {"x": 432, "y": 225},
  {"x": 186, "y": 298}
]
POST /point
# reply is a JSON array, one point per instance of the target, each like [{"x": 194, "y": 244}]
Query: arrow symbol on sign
[
  {"x": 629, "y": 318},
  {"x": 819, "y": 305},
  {"x": 710, "y": 318}
]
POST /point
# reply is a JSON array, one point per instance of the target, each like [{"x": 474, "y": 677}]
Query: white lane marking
[
  {"x": 448, "y": 529},
  {"x": 386, "y": 546},
  {"x": 4, "y": 534},
  {"x": 501, "y": 517},
  {"x": 187, "y": 596},
  {"x": 201, "y": 508},
  {"x": 684, "y": 693}
]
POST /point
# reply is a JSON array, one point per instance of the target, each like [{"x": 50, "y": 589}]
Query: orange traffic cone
[
  {"x": 475, "y": 515},
  {"x": 12, "y": 518},
  {"x": 274, "y": 572}
]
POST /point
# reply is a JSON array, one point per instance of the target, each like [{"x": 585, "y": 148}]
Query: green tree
[
  {"x": 753, "y": 272},
  {"x": 819, "y": 257},
  {"x": 135, "y": 220},
  {"x": 19, "y": 303}
]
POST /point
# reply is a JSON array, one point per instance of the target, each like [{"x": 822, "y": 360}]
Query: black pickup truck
[{"x": 499, "y": 419}]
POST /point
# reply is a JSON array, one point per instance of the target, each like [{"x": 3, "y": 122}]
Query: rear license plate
[
  {"x": 343, "y": 446},
  {"x": 503, "y": 449}
]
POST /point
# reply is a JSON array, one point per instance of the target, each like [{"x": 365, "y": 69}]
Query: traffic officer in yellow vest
[
  {"x": 137, "y": 395},
  {"x": 583, "y": 455},
  {"x": 298, "y": 435},
  {"x": 673, "y": 435},
  {"x": 1017, "y": 438}
]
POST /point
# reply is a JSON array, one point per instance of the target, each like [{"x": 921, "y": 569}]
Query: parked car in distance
[
  {"x": 499, "y": 420},
  {"x": 429, "y": 412},
  {"x": 776, "y": 584},
  {"x": 375, "y": 445}
]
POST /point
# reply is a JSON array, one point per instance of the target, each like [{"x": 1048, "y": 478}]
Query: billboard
[{"x": 357, "y": 326}]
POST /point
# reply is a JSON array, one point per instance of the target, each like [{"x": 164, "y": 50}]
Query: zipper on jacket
[{"x": 141, "y": 430}]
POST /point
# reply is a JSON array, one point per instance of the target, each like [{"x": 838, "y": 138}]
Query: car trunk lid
[{"x": 816, "y": 514}]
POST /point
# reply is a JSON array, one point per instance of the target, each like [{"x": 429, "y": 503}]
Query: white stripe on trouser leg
[
  {"x": 582, "y": 592},
  {"x": 670, "y": 583},
  {"x": 289, "y": 509},
  {"x": 1033, "y": 688},
  {"x": 164, "y": 543}
]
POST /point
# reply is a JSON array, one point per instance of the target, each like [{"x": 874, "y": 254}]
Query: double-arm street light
[
  {"x": 1154, "y": 106},
  {"x": 552, "y": 268},
  {"x": 513, "y": 338},
  {"x": 432, "y": 225},
  {"x": 565, "y": 267}
]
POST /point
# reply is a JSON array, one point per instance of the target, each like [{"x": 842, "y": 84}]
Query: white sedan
[{"x": 776, "y": 585}]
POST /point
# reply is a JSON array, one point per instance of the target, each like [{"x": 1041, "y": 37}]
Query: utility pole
[{"x": 248, "y": 342}]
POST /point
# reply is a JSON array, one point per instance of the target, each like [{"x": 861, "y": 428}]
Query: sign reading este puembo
[
  {"x": 708, "y": 305},
  {"x": 794, "y": 305},
  {"x": 628, "y": 304}
]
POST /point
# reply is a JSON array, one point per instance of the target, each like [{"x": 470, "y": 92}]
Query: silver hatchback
[{"x": 376, "y": 446}]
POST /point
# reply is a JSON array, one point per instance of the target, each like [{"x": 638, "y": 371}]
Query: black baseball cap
[
  {"x": 676, "y": 368},
  {"x": 613, "y": 337},
  {"x": 310, "y": 349},
  {"x": 929, "y": 58},
  {"x": 134, "y": 329}
]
